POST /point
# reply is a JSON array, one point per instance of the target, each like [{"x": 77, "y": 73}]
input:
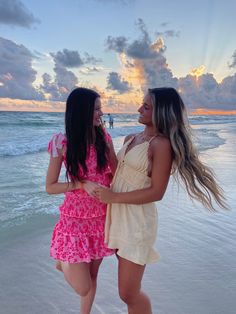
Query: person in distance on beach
[
  {"x": 145, "y": 163},
  {"x": 111, "y": 121},
  {"x": 89, "y": 158}
]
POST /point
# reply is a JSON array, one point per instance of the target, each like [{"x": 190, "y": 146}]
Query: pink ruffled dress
[{"x": 78, "y": 236}]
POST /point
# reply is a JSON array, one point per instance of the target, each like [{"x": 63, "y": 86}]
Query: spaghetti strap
[
  {"x": 129, "y": 140},
  {"x": 151, "y": 139}
]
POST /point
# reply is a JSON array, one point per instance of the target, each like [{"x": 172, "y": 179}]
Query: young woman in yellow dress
[{"x": 145, "y": 164}]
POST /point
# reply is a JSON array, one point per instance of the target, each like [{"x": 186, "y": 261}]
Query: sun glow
[
  {"x": 198, "y": 71},
  {"x": 132, "y": 70}
]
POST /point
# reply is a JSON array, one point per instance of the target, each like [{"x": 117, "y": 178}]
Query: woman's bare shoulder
[
  {"x": 128, "y": 137},
  {"x": 160, "y": 142}
]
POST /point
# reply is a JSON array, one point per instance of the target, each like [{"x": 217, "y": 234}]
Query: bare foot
[{"x": 58, "y": 265}]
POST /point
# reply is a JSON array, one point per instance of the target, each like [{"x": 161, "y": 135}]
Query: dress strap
[
  {"x": 151, "y": 139},
  {"x": 129, "y": 140}
]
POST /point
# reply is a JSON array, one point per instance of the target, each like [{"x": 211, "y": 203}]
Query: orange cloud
[
  {"x": 202, "y": 111},
  {"x": 126, "y": 103},
  {"x": 132, "y": 70},
  {"x": 120, "y": 104},
  {"x": 9, "y": 104}
]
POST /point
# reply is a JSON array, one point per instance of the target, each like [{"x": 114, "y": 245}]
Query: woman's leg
[
  {"x": 78, "y": 276},
  {"x": 58, "y": 265},
  {"x": 82, "y": 277},
  {"x": 87, "y": 301},
  {"x": 129, "y": 281}
]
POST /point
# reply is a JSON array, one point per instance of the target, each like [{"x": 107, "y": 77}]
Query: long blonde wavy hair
[{"x": 170, "y": 119}]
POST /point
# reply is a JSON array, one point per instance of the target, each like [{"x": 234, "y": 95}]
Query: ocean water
[{"x": 197, "y": 272}]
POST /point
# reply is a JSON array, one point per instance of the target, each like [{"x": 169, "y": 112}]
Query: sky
[{"x": 120, "y": 48}]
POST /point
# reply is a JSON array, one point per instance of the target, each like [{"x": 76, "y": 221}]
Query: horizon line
[{"x": 198, "y": 111}]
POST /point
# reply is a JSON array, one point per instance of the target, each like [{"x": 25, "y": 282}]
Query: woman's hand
[
  {"x": 88, "y": 186},
  {"x": 105, "y": 195}
]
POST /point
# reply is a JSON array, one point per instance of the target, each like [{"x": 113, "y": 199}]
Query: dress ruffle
[
  {"x": 79, "y": 240},
  {"x": 57, "y": 142},
  {"x": 138, "y": 254}
]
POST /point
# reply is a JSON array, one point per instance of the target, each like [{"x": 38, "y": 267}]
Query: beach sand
[
  {"x": 196, "y": 273},
  {"x": 31, "y": 284}
]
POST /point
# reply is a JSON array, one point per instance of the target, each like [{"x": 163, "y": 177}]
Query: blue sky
[{"x": 118, "y": 47}]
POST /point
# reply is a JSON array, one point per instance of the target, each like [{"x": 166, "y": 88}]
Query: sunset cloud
[
  {"x": 16, "y": 72},
  {"x": 9, "y": 104},
  {"x": 143, "y": 64},
  {"x": 146, "y": 57},
  {"x": 115, "y": 82},
  {"x": 117, "y": 44},
  {"x": 64, "y": 80},
  {"x": 198, "y": 71},
  {"x": 59, "y": 88}
]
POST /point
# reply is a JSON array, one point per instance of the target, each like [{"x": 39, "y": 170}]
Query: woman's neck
[{"x": 149, "y": 131}]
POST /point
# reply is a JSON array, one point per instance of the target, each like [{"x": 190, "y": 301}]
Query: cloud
[
  {"x": 168, "y": 33},
  {"x": 144, "y": 65},
  {"x": 164, "y": 24},
  {"x": 118, "y": 104},
  {"x": 49, "y": 87},
  {"x": 15, "y": 13},
  {"x": 228, "y": 92},
  {"x": 233, "y": 62},
  {"x": 205, "y": 92},
  {"x": 59, "y": 88},
  {"x": 91, "y": 59},
  {"x": 72, "y": 59},
  {"x": 202, "y": 91},
  {"x": 16, "y": 72},
  {"x": 117, "y": 44},
  {"x": 91, "y": 70},
  {"x": 140, "y": 48},
  {"x": 8, "y": 104},
  {"x": 146, "y": 57},
  {"x": 115, "y": 82},
  {"x": 68, "y": 58},
  {"x": 66, "y": 80}
]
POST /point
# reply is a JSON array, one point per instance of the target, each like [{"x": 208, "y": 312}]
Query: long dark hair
[
  {"x": 81, "y": 133},
  {"x": 170, "y": 119}
]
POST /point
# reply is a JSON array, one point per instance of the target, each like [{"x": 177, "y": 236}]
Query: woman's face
[
  {"x": 145, "y": 111},
  {"x": 97, "y": 112}
]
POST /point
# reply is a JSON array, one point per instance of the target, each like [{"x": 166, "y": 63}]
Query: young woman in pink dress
[{"x": 87, "y": 152}]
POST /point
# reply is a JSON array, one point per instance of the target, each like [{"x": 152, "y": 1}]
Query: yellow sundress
[{"x": 132, "y": 229}]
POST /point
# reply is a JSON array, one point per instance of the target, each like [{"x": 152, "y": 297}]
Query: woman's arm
[
  {"x": 161, "y": 154},
  {"x": 112, "y": 158},
  {"x": 52, "y": 184},
  {"x": 55, "y": 187}
]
